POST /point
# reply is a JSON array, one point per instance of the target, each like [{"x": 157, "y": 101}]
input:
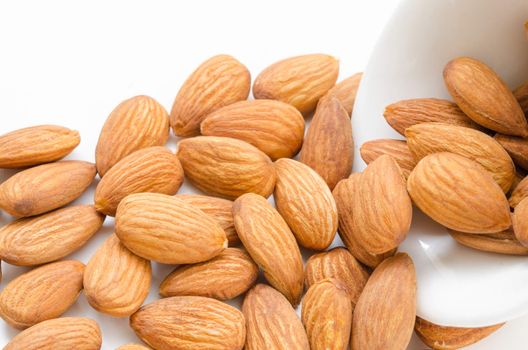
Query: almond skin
[
  {"x": 397, "y": 149},
  {"x": 136, "y": 123},
  {"x": 385, "y": 313},
  {"x": 271, "y": 244},
  {"x": 45, "y": 187},
  {"x": 224, "y": 277},
  {"x": 41, "y": 294},
  {"x": 153, "y": 169},
  {"x": 520, "y": 222},
  {"x": 190, "y": 322},
  {"x": 48, "y": 237},
  {"x": 165, "y": 229},
  {"x": 346, "y": 91},
  {"x": 503, "y": 242},
  {"x": 274, "y": 127},
  {"x": 132, "y": 347},
  {"x": 300, "y": 81},
  {"x": 484, "y": 96},
  {"x": 328, "y": 146},
  {"x": 517, "y": 148},
  {"x": 226, "y": 167},
  {"x": 459, "y": 194},
  {"x": 314, "y": 222},
  {"x": 521, "y": 94},
  {"x": 519, "y": 193},
  {"x": 271, "y": 322},
  {"x": 116, "y": 281},
  {"x": 218, "y": 82},
  {"x": 36, "y": 145},
  {"x": 77, "y": 333}
]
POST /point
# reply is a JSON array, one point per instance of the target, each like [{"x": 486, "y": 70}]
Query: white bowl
[{"x": 456, "y": 285}]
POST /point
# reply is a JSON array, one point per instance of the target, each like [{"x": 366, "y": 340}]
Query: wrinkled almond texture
[
  {"x": 520, "y": 222},
  {"x": 521, "y": 94},
  {"x": 503, "y": 242},
  {"x": 517, "y": 148},
  {"x": 346, "y": 91},
  {"x": 132, "y": 347},
  {"x": 397, "y": 149},
  {"x": 519, "y": 193}
]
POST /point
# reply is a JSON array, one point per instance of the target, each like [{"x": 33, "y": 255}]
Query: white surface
[{"x": 71, "y": 63}]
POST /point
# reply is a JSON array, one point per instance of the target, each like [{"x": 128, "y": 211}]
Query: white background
[{"x": 71, "y": 63}]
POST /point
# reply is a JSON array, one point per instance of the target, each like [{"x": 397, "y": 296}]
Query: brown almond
[
  {"x": 346, "y": 91},
  {"x": 217, "y": 82},
  {"x": 503, "y": 242},
  {"x": 519, "y": 193},
  {"x": 226, "y": 167},
  {"x": 520, "y": 222},
  {"x": 519, "y": 176},
  {"x": 132, "y": 347},
  {"x": 397, "y": 149},
  {"x": 45, "y": 187},
  {"x": 517, "y": 148},
  {"x": 521, "y": 94}
]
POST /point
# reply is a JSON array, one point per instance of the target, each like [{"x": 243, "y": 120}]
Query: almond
[
  {"x": 36, "y": 145},
  {"x": 136, "y": 123},
  {"x": 168, "y": 230},
  {"x": 346, "y": 91},
  {"x": 306, "y": 203},
  {"x": 459, "y": 194},
  {"x": 521, "y": 94},
  {"x": 519, "y": 193},
  {"x": 274, "y": 127},
  {"x": 132, "y": 347},
  {"x": 116, "y": 281},
  {"x": 397, "y": 149},
  {"x": 427, "y": 138},
  {"x": 45, "y": 187},
  {"x": 41, "y": 294},
  {"x": 270, "y": 243},
  {"x": 300, "y": 81},
  {"x": 77, "y": 333},
  {"x": 484, "y": 96},
  {"x": 519, "y": 176},
  {"x": 503, "y": 242},
  {"x": 328, "y": 146},
  {"x": 48, "y": 237},
  {"x": 327, "y": 315},
  {"x": 190, "y": 322},
  {"x": 517, "y": 148},
  {"x": 271, "y": 322},
  {"x": 520, "y": 222},
  {"x": 218, "y": 82},
  {"x": 153, "y": 169},
  {"x": 226, "y": 167},
  {"x": 224, "y": 277},
  {"x": 385, "y": 313}
]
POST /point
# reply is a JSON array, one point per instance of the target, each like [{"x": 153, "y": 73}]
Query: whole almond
[
  {"x": 218, "y": 82},
  {"x": 136, "y": 123},
  {"x": 190, "y": 322},
  {"x": 45, "y": 187},
  {"x": 64, "y": 333},
  {"x": 327, "y": 316},
  {"x": 503, "y": 242},
  {"x": 346, "y": 91},
  {"x": 36, "y": 145},
  {"x": 153, "y": 169},
  {"x": 168, "y": 230},
  {"x": 48, "y": 237},
  {"x": 397, "y": 149},
  {"x": 385, "y": 313},
  {"x": 314, "y": 222},
  {"x": 41, "y": 294},
  {"x": 300, "y": 81},
  {"x": 424, "y": 139},
  {"x": 116, "y": 281},
  {"x": 274, "y": 127},
  {"x": 132, "y": 347},
  {"x": 271, "y": 322},
  {"x": 521, "y": 94},
  {"x": 270, "y": 243},
  {"x": 459, "y": 194},
  {"x": 224, "y": 277},
  {"x": 226, "y": 167},
  {"x": 520, "y": 222},
  {"x": 328, "y": 147},
  {"x": 517, "y": 148},
  {"x": 484, "y": 96}
]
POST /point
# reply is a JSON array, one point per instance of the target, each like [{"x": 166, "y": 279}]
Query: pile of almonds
[{"x": 238, "y": 152}]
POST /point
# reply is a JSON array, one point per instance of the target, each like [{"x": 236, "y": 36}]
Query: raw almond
[
  {"x": 503, "y": 242},
  {"x": 133, "y": 347},
  {"x": 45, "y": 187},
  {"x": 77, "y": 333},
  {"x": 521, "y": 94},
  {"x": 48, "y": 237},
  {"x": 519, "y": 176},
  {"x": 218, "y": 82},
  {"x": 300, "y": 81},
  {"x": 116, "y": 281},
  {"x": 328, "y": 147},
  {"x": 397, "y": 149},
  {"x": 346, "y": 91},
  {"x": 41, "y": 294},
  {"x": 274, "y": 127},
  {"x": 306, "y": 204},
  {"x": 190, "y": 322},
  {"x": 271, "y": 322},
  {"x": 226, "y": 167},
  {"x": 517, "y": 148},
  {"x": 168, "y": 230},
  {"x": 153, "y": 169},
  {"x": 385, "y": 313},
  {"x": 519, "y": 193},
  {"x": 270, "y": 243},
  {"x": 136, "y": 123},
  {"x": 327, "y": 315},
  {"x": 36, "y": 145},
  {"x": 459, "y": 194},
  {"x": 520, "y": 222},
  {"x": 484, "y": 96},
  {"x": 224, "y": 277}
]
